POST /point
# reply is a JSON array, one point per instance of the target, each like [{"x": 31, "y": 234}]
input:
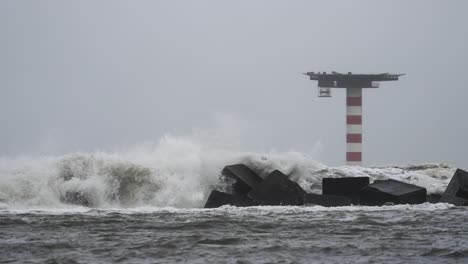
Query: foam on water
[
  {"x": 176, "y": 172},
  {"x": 225, "y": 210}
]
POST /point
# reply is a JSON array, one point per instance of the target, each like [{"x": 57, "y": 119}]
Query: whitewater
[
  {"x": 145, "y": 205},
  {"x": 175, "y": 172}
]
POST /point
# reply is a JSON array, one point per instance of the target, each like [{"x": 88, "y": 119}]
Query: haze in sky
[{"x": 86, "y": 75}]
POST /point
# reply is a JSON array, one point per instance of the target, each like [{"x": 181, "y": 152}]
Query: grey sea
[
  {"x": 147, "y": 207},
  {"x": 427, "y": 233}
]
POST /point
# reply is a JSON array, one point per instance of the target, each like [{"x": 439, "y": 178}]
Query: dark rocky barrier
[
  {"x": 248, "y": 189},
  {"x": 278, "y": 189},
  {"x": 457, "y": 190},
  {"x": 326, "y": 200},
  {"x": 217, "y": 199},
  {"x": 348, "y": 187},
  {"x": 243, "y": 177},
  {"x": 433, "y": 198},
  {"x": 391, "y": 191}
]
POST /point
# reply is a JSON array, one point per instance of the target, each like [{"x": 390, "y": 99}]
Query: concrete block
[
  {"x": 391, "y": 191},
  {"x": 278, "y": 189},
  {"x": 457, "y": 190},
  {"x": 217, "y": 199},
  {"x": 244, "y": 178},
  {"x": 433, "y": 198},
  {"x": 348, "y": 187},
  {"x": 457, "y": 201},
  {"x": 326, "y": 200}
]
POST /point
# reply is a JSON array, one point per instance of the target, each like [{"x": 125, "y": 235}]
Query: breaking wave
[{"x": 175, "y": 172}]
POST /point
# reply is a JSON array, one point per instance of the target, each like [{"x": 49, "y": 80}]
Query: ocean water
[
  {"x": 427, "y": 233},
  {"x": 145, "y": 205}
]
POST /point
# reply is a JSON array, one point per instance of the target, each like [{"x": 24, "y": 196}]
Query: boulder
[
  {"x": 217, "y": 199},
  {"x": 278, "y": 189},
  {"x": 326, "y": 200},
  {"x": 244, "y": 178},
  {"x": 457, "y": 190},
  {"x": 348, "y": 187},
  {"x": 391, "y": 191}
]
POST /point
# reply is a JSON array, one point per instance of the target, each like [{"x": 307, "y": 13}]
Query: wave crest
[{"x": 175, "y": 172}]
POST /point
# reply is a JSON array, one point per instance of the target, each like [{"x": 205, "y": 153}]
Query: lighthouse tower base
[{"x": 353, "y": 126}]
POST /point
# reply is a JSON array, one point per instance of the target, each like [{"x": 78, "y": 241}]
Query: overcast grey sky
[{"x": 85, "y": 75}]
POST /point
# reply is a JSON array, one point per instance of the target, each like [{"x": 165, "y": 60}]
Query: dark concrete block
[
  {"x": 217, "y": 199},
  {"x": 278, "y": 189},
  {"x": 457, "y": 190},
  {"x": 391, "y": 191},
  {"x": 433, "y": 198},
  {"x": 244, "y": 178},
  {"x": 348, "y": 187},
  {"x": 326, "y": 200},
  {"x": 457, "y": 201}
]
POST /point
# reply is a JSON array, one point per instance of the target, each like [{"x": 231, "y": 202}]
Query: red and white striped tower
[
  {"x": 353, "y": 83},
  {"x": 353, "y": 126}
]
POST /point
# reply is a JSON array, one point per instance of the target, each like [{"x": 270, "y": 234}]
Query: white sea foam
[
  {"x": 229, "y": 210},
  {"x": 175, "y": 172}
]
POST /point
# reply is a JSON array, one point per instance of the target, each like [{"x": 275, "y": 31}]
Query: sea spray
[{"x": 175, "y": 172}]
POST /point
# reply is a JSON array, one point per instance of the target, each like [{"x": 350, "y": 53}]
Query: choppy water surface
[
  {"x": 144, "y": 206},
  {"x": 425, "y": 233}
]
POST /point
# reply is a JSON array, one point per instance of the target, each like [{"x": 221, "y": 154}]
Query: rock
[
  {"x": 217, "y": 199},
  {"x": 348, "y": 187},
  {"x": 457, "y": 190},
  {"x": 278, "y": 189},
  {"x": 326, "y": 200},
  {"x": 244, "y": 178},
  {"x": 391, "y": 191}
]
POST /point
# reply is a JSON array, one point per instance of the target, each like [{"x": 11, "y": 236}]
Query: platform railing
[{"x": 324, "y": 92}]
